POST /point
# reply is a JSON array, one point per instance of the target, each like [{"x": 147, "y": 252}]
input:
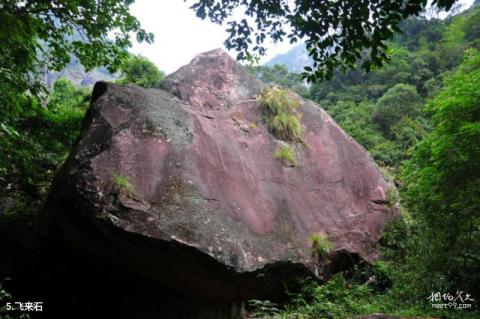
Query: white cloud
[{"x": 180, "y": 35}]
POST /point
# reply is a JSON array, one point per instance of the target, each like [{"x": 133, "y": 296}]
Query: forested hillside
[{"x": 391, "y": 100}]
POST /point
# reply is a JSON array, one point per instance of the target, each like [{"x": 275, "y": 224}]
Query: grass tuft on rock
[
  {"x": 275, "y": 101},
  {"x": 122, "y": 185},
  {"x": 279, "y": 114},
  {"x": 287, "y": 155},
  {"x": 286, "y": 127},
  {"x": 320, "y": 246}
]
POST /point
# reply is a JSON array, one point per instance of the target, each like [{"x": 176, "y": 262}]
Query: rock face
[{"x": 180, "y": 184}]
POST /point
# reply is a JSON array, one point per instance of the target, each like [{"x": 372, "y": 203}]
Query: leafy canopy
[
  {"x": 38, "y": 35},
  {"x": 34, "y": 144},
  {"x": 139, "y": 70},
  {"x": 336, "y": 32},
  {"x": 442, "y": 179},
  {"x": 399, "y": 101}
]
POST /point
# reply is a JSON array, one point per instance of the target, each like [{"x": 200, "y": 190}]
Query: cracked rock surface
[{"x": 211, "y": 214}]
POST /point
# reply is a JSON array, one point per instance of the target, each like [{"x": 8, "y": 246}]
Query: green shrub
[
  {"x": 286, "y": 155},
  {"x": 34, "y": 142},
  {"x": 262, "y": 309},
  {"x": 122, "y": 185},
  {"x": 279, "y": 114},
  {"x": 399, "y": 101},
  {"x": 320, "y": 246},
  {"x": 275, "y": 101},
  {"x": 387, "y": 153},
  {"x": 441, "y": 184},
  {"x": 141, "y": 71},
  {"x": 286, "y": 127},
  {"x": 335, "y": 299},
  {"x": 344, "y": 296}
]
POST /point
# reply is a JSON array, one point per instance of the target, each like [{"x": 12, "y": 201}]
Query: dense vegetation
[
  {"x": 39, "y": 35},
  {"x": 36, "y": 141},
  {"x": 141, "y": 71},
  {"x": 419, "y": 116}
]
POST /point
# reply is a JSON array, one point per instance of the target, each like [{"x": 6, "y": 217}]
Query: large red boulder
[{"x": 181, "y": 185}]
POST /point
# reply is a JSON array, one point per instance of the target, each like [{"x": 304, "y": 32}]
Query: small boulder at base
[{"x": 181, "y": 185}]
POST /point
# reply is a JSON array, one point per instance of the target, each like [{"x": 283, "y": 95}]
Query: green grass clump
[
  {"x": 286, "y": 155},
  {"x": 286, "y": 127},
  {"x": 320, "y": 246},
  {"x": 279, "y": 114},
  {"x": 275, "y": 101},
  {"x": 123, "y": 185}
]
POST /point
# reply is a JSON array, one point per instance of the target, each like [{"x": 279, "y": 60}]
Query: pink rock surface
[{"x": 205, "y": 178}]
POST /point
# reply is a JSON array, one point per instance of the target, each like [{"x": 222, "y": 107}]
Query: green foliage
[
  {"x": 122, "y": 185},
  {"x": 382, "y": 109},
  {"x": 387, "y": 153},
  {"x": 34, "y": 144},
  {"x": 39, "y": 35},
  {"x": 337, "y": 298},
  {"x": 462, "y": 33},
  {"x": 420, "y": 55},
  {"x": 38, "y": 127},
  {"x": 399, "y": 101},
  {"x": 279, "y": 113},
  {"x": 65, "y": 96},
  {"x": 472, "y": 29},
  {"x": 355, "y": 119},
  {"x": 320, "y": 246},
  {"x": 287, "y": 155},
  {"x": 141, "y": 71},
  {"x": 286, "y": 127},
  {"x": 275, "y": 101},
  {"x": 335, "y": 35},
  {"x": 262, "y": 309},
  {"x": 394, "y": 235},
  {"x": 4, "y": 295},
  {"x": 408, "y": 131},
  {"x": 360, "y": 291},
  {"x": 442, "y": 179}
]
